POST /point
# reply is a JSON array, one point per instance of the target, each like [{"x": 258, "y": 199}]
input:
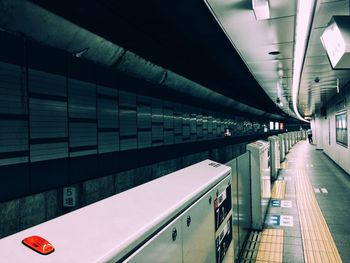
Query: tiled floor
[{"x": 316, "y": 199}]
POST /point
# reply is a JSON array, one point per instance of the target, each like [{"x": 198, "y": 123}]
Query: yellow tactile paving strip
[
  {"x": 284, "y": 165},
  {"x": 271, "y": 246},
  {"x": 318, "y": 244},
  {"x": 278, "y": 189}
]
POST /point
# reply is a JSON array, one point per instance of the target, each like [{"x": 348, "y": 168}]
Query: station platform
[{"x": 309, "y": 212}]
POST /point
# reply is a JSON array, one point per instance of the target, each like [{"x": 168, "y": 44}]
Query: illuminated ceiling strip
[{"x": 303, "y": 23}]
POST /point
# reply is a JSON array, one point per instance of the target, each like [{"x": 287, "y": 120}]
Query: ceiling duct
[
  {"x": 24, "y": 17},
  {"x": 136, "y": 66},
  {"x": 51, "y": 30},
  {"x": 336, "y": 41}
]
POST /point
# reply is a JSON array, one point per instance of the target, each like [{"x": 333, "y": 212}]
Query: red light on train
[{"x": 39, "y": 245}]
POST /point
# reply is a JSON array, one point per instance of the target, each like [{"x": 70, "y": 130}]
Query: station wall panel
[
  {"x": 144, "y": 121},
  {"x": 13, "y": 115},
  {"x": 48, "y": 116},
  {"x": 64, "y": 120},
  {"x": 107, "y": 119}
]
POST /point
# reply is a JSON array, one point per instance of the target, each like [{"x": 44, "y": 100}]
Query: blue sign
[
  {"x": 280, "y": 220},
  {"x": 274, "y": 220},
  {"x": 275, "y": 203}
]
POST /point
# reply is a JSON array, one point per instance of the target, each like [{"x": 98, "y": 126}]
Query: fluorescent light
[
  {"x": 261, "y": 9},
  {"x": 303, "y": 23}
]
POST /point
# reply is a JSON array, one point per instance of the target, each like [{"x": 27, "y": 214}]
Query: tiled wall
[
  {"x": 69, "y": 117},
  {"x": 52, "y": 124},
  {"x": 65, "y": 121}
]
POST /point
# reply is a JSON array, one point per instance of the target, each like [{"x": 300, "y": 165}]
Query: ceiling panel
[
  {"x": 316, "y": 50},
  {"x": 282, "y": 8},
  {"x": 262, "y": 53},
  {"x": 316, "y": 68},
  {"x": 257, "y": 34},
  {"x": 316, "y": 38},
  {"x": 254, "y": 39},
  {"x": 317, "y": 60},
  {"x": 327, "y": 1},
  {"x": 271, "y": 65},
  {"x": 314, "y": 95},
  {"x": 329, "y": 9}
]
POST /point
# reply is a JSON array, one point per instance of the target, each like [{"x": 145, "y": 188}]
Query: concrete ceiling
[
  {"x": 219, "y": 44},
  {"x": 312, "y": 95},
  {"x": 254, "y": 39}
]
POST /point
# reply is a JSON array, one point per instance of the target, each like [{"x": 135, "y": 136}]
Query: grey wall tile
[
  {"x": 98, "y": 189},
  {"x": 9, "y": 218},
  {"x": 53, "y": 205},
  {"x": 32, "y": 210},
  {"x": 124, "y": 180}
]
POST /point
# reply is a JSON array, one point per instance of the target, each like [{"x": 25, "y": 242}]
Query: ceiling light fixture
[
  {"x": 337, "y": 86},
  {"x": 336, "y": 41},
  {"x": 261, "y": 9},
  {"x": 280, "y": 74},
  {"x": 305, "y": 11}
]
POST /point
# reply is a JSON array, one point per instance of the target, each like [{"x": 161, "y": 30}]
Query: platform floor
[{"x": 309, "y": 215}]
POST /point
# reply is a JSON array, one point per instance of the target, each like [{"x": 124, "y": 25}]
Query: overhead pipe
[
  {"x": 136, "y": 66},
  {"x": 24, "y": 17},
  {"x": 41, "y": 26}
]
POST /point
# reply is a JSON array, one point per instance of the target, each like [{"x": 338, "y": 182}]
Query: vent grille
[{"x": 214, "y": 165}]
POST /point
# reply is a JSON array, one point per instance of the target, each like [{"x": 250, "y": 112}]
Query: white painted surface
[
  {"x": 161, "y": 248},
  {"x": 260, "y": 181},
  {"x": 319, "y": 133},
  {"x": 274, "y": 156},
  {"x": 286, "y": 220},
  {"x": 286, "y": 203},
  {"x": 338, "y": 153},
  {"x": 314, "y": 131},
  {"x": 109, "y": 229},
  {"x": 282, "y": 147}
]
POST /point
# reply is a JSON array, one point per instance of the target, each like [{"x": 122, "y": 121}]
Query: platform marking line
[
  {"x": 271, "y": 246},
  {"x": 278, "y": 189},
  {"x": 286, "y": 220},
  {"x": 286, "y": 203},
  {"x": 318, "y": 243}
]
